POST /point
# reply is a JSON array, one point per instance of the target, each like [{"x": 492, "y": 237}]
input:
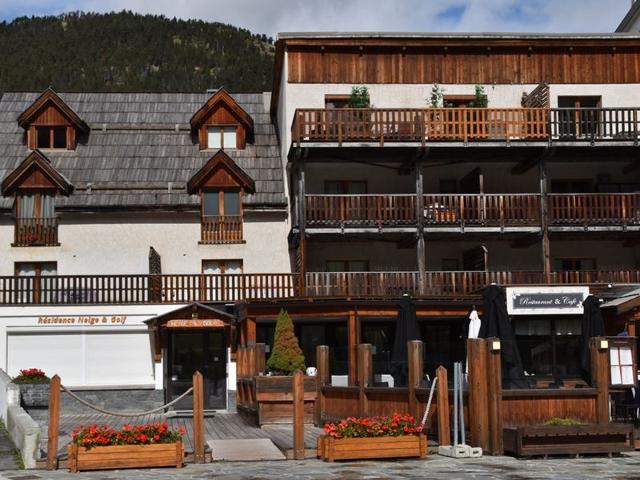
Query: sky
[{"x": 272, "y": 16}]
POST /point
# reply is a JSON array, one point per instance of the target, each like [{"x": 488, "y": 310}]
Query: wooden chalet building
[{"x": 174, "y": 227}]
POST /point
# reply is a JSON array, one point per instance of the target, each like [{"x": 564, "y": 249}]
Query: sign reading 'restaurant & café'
[{"x": 546, "y": 300}]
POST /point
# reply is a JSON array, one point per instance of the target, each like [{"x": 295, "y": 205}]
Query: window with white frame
[{"x": 222, "y": 136}]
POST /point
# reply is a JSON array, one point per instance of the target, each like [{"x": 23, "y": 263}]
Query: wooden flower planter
[
  {"x": 330, "y": 449},
  {"x": 125, "y": 456},
  {"x": 568, "y": 440}
]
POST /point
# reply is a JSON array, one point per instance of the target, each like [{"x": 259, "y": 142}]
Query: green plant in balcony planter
[
  {"x": 359, "y": 97},
  {"x": 286, "y": 356},
  {"x": 437, "y": 96},
  {"x": 481, "y": 100}
]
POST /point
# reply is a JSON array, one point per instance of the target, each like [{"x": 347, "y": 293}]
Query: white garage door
[{"x": 84, "y": 358}]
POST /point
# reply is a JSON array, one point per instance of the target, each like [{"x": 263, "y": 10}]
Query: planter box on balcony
[
  {"x": 34, "y": 395},
  {"x": 568, "y": 440},
  {"x": 330, "y": 449},
  {"x": 125, "y": 456},
  {"x": 273, "y": 399}
]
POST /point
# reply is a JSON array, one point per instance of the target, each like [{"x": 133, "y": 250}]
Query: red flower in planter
[
  {"x": 93, "y": 435},
  {"x": 395, "y": 425}
]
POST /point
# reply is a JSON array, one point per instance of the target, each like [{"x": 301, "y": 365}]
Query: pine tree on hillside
[{"x": 286, "y": 356}]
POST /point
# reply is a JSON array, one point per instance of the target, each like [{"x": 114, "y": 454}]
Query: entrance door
[{"x": 197, "y": 350}]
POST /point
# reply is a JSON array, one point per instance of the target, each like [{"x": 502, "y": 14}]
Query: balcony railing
[
  {"x": 221, "y": 229},
  {"x": 380, "y": 125},
  {"x": 146, "y": 289},
  {"x": 30, "y": 232},
  {"x": 360, "y": 210},
  {"x": 594, "y": 209},
  {"x": 502, "y": 210}
]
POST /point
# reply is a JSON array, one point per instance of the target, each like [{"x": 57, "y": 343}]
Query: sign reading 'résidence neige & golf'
[{"x": 546, "y": 300}]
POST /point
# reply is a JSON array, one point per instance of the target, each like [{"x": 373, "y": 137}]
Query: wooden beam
[
  {"x": 494, "y": 384},
  {"x": 600, "y": 371},
  {"x": 415, "y": 373},
  {"x": 365, "y": 377},
  {"x": 544, "y": 219},
  {"x": 420, "y": 245},
  {"x": 323, "y": 377},
  {"x": 198, "y": 418},
  {"x": 478, "y": 393},
  {"x": 298, "y": 415},
  {"x": 54, "y": 423},
  {"x": 352, "y": 346},
  {"x": 442, "y": 407}
]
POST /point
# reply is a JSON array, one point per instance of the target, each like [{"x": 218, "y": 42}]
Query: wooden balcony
[
  {"x": 32, "y": 232},
  {"x": 221, "y": 229},
  {"x": 384, "y": 125},
  {"x": 482, "y": 210},
  {"x": 140, "y": 289},
  {"x": 159, "y": 289},
  {"x": 360, "y": 210},
  {"x": 592, "y": 209}
]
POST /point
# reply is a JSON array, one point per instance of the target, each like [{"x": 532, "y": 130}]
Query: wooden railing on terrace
[
  {"x": 516, "y": 209},
  {"x": 36, "y": 232},
  {"x": 360, "y": 210},
  {"x": 594, "y": 209},
  {"x": 221, "y": 229},
  {"x": 380, "y": 125},
  {"x": 142, "y": 289}
]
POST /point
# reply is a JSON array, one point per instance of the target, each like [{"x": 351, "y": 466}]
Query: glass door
[{"x": 191, "y": 351}]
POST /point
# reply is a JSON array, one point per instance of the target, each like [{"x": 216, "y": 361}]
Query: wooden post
[
  {"x": 544, "y": 219},
  {"x": 54, "y": 422},
  {"x": 198, "y": 418},
  {"x": 260, "y": 358},
  {"x": 494, "y": 383},
  {"x": 298, "y": 415},
  {"x": 323, "y": 376},
  {"x": 352, "y": 347},
  {"x": 600, "y": 371},
  {"x": 415, "y": 349},
  {"x": 365, "y": 377},
  {"x": 250, "y": 333},
  {"x": 302, "y": 220},
  {"x": 420, "y": 245},
  {"x": 442, "y": 407},
  {"x": 478, "y": 393}
]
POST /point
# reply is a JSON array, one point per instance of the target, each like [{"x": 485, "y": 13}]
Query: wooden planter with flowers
[
  {"x": 142, "y": 446},
  {"x": 396, "y": 436}
]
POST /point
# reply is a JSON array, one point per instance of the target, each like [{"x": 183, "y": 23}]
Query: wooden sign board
[{"x": 195, "y": 323}]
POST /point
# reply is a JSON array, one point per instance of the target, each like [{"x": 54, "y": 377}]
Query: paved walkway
[
  {"x": 7, "y": 457},
  {"x": 435, "y": 467}
]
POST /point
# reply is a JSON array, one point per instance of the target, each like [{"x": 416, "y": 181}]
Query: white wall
[{"x": 119, "y": 244}]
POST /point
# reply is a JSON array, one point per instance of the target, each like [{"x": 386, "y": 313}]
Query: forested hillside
[{"x": 129, "y": 52}]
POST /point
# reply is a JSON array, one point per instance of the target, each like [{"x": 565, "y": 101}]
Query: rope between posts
[{"x": 122, "y": 414}]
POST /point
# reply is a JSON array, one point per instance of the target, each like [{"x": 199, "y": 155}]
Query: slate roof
[{"x": 138, "y": 144}]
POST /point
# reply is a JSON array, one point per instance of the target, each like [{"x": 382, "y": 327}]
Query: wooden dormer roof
[
  {"x": 224, "y": 172},
  {"x": 49, "y": 97},
  {"x": 37, "y": 171},
  {"x": 221, "y": 98}
]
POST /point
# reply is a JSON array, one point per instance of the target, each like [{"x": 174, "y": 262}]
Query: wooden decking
[{"x": 219, "y": 426}]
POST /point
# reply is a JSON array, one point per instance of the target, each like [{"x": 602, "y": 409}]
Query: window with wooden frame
[
  {"x": 34, "y": 283},
  {"x": 36, "y": 222},
  {"x": 622, "y": 360},
  {"x": 51, "y": 137},
  {"x": 222, "y": 124}
]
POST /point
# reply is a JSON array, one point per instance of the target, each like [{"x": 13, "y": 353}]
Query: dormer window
[
  {"x": 221, "y": 185},
  {"x": 51, "y": 124},
  {"x": 221, "y": 124},
  {"x": 51, "y": 137},
  {"x": 35, "y": 183},
  {"x": 222, "y": 137}
]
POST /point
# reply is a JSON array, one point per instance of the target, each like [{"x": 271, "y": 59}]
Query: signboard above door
[{"x": 546, "y": 300}]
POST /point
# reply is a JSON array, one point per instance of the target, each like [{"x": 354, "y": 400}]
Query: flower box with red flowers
[
  {"x": 100, "y": 447},
  {"x": 34, "y": 387},
  {"x": 394, "y": 436}
]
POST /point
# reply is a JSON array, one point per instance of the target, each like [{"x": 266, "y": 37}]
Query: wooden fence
[
  {"x": 221, "y": 229},
  {"x": 594, "y": 209},
  {"x": 360, "y": 210}
]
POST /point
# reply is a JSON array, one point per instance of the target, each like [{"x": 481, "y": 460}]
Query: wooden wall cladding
[{"x": 463, "y": 66}]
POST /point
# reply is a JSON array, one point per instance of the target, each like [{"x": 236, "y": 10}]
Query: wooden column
[
  {"x": 352, "y": 347},
  {"x": 494, "y": 384},
  {"x": 302, "y": 224},
  {"x": 323, "y": 377},
  {"x": 415, "y": 356},
  {"x": 600, "y": 371},
  {"x": 261, "y": 358},
  {"x": 54, "y": 423},
  {"x": 420, "y": 244},
  {"x": 365, "y": 377},
  {"x": 442, "y": 407},
  {"x": 544, "y": 219},
  {"x": 298, "y": 415},
  {"x": 477, "y": 403},
  {"x": 198, "y": 418},
  {"x": 250, "y": 331}
]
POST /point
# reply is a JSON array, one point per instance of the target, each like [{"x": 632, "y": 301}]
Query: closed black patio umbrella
[
  {"x": 496, "y": 323},
  {"x": 406, "y": 329},
  {"x": 592, "y": 326}
]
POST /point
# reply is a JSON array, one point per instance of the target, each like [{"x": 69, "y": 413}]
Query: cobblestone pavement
[{"x": 435, "y": 467}]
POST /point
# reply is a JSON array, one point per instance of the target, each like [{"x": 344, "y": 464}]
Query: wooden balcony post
[
  {"x": 365, "y": 377},
  {"x": 303, "y": 219},
  {"x": 420, "y": 245},
  {"x": 544, "y": 218},
  {"x": 415, "y": 372},
  {"x": 352, "y": 347},
  {"x": 323, "y": 377}
]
